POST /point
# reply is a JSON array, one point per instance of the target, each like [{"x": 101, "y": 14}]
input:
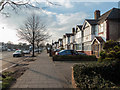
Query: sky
[{"x": 59, "y": 19}]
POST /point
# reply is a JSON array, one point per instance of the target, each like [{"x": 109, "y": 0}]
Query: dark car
[
  {"x": 80, "y": 53},
  {"x": 18, "y": 53},
  {"x": 68, "y": 52},
  {"x": 56, "y": 51}
]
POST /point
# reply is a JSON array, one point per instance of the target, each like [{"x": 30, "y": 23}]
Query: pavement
[{"x": 42, "y": 73}]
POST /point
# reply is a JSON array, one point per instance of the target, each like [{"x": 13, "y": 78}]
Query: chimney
[
  {"x": 97, "y": 14},
  {"x": 73, "y": 31}
]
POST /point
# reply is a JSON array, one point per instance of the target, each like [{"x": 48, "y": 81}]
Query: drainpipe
[{"x": 107, "y": 30}]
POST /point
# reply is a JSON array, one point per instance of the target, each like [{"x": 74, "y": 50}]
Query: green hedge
[
  {"x": 74, "y": 58},
  {"x": 99, "y": 75}
]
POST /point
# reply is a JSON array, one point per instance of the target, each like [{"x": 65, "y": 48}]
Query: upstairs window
[
  {"x": 101, "y": 27},
  {"x": 68, "y": 39}
]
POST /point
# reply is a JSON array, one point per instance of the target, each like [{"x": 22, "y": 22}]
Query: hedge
[
  {"x": 74, "y": 58},
  {"x": 99, "y": 75}
]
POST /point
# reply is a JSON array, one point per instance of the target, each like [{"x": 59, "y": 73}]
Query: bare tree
[
  {"x": 14, "y": 4},
  {"x": 33, "y": 31},
  {"x": 42, "y": 36}
]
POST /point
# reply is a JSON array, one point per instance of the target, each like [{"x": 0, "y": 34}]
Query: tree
[
  {"x": 14, "y": 4},
  {"x": 33, "y": 31},
  {"x": 41, "y": 37}
]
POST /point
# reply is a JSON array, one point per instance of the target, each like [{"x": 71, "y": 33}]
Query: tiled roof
[
  {"x": 69, "y": 34},
  {"x": 99, "y": 38},
  {"x": 114, "y": 13},
  {"x": 79, "y": 26},
  {"x": 92, "y": 21},
  {"x": 60, "y": 39}
]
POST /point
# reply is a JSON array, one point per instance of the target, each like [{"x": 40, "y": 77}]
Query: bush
[
  {"x": 111, "y": 51},
  {"x": 74, "y": 58},
  {"x": 102, "y": 54},
  {"x": 99, "y": 75},
  {"x": 110, "y": 44}
]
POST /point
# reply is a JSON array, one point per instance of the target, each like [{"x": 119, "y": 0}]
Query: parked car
[
  {"x": 56, "y": 51},
  {"x": 26, "y": 51},
  {"x": 9, "y": 50},
  {"x": 13, "y": 49},
  {"x": 36, "y": 50},
  {"x": 18, "y": 53},
  {"x": 68, "y": 52},
  {"x": 80, "y": 53}
]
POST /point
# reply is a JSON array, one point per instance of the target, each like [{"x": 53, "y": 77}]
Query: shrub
[
  {"x": 109, "y": 44},
  {"x": 99, "y": 75},
  {"x": 102, "y": 54},
  {"x": 74, "y": 58},
  {"x": 111, "y": 51}
]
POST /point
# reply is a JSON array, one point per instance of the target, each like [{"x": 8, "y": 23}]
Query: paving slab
[{"x": 41, "y": 74}]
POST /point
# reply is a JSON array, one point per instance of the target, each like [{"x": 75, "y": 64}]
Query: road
[{"x": 7, "y": 60}]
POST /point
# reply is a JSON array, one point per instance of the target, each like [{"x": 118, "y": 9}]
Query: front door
[{"x": 95, "y": 49}]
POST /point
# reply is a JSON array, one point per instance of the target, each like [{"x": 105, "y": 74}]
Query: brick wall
[{"x": 88, "y": 52}]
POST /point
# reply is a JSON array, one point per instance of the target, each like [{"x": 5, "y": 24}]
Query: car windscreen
[{"x": 17, "y": 51}]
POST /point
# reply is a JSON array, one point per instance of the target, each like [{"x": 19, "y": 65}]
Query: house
[
  {"x": 55, "y": 45},
  {"x": 69, "y": 41},
  {"x": 89, "y": 32},
  {"x": 72, "y": 39},
  {"x": 91, "y": 36},
  {"x": 108, "y": 29},
  {"x": 79, "y": 38},
  {"x": 60, "y": 43},
  {"x": 64, "y": 42}
]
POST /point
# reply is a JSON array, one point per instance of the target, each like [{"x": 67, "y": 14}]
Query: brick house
[
  {"x": 89, "y": 32},
  {"x": 60, "y": 43},
  {"x": 78, "y": 38},
  {"x": 69, "y": 41},
  {"x": 91, "y": 36},
  {"x": 64, "y": 42},
  {"x": 108, "y": 29}
]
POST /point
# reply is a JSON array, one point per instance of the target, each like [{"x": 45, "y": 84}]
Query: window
[
  {"x": 101, "y": 28},
  {"x": 68, "y": 52},
  {"x": 68, "y": 39}
]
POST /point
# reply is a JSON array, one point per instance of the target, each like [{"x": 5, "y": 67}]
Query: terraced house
[
  {"x": 108, "y": 26},
  {"x": 79, "y": 38},
  {"x": 90, "y": 37}
]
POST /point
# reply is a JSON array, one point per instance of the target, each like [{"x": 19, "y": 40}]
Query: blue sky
[{"x": 58, "y": 19}]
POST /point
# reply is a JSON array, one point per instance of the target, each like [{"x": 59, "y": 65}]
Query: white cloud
[
  {"x": 64, "y": 23},
  {"x": 66, "y": 3},
  {"x": 71, "y": 18}
]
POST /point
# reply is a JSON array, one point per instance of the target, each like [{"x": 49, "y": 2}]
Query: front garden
[{"x": 102, "y": 74}]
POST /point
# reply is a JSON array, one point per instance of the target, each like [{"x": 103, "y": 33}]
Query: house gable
[{"x": 85, "y": 24}]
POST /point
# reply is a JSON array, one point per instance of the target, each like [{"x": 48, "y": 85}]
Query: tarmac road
[{"x": 8, "y": 60}]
